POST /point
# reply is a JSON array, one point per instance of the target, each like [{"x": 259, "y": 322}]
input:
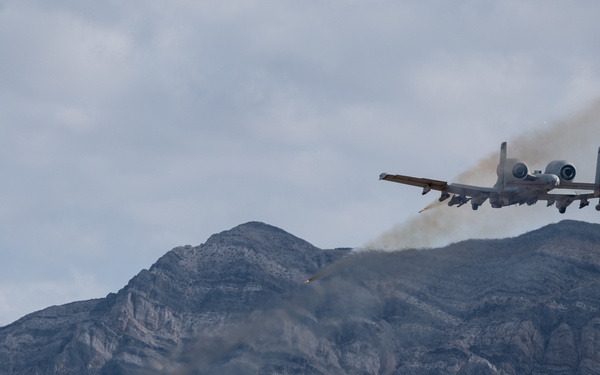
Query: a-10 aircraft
[{"x": 516, "y": 185}]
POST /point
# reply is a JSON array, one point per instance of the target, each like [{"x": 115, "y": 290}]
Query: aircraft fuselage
[{"x": 515, "y": 185}]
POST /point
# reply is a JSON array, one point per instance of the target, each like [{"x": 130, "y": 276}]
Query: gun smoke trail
[
  {"x": 234, "y": 343},
  {"x": 575, "y": 139},
  {"x": 436, "y": 224}
]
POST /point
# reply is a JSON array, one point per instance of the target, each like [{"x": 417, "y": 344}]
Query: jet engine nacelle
[
  {"x": 520, "y": 170},
  {"x": 561, "y": 168},
  {"x": 514, "y": 169}
]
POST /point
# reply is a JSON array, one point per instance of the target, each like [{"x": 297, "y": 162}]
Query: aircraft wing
[
  {"x": 429, "y": 184},
  {"x": 470, "y": 190},
  {"x": 462, "y": 194},
  {"x": 578, "y": 185},
  {"x": 425, "y": 183},
  {"x": 563, "y": 199},
  {"x": 571, "y": 195}
]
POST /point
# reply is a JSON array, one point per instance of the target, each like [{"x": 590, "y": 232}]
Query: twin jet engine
[{"x": 515, "y": 170}]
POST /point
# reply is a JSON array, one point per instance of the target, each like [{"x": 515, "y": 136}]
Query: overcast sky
[{"x": 129, "y": 128}]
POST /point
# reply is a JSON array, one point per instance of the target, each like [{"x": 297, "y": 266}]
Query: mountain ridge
[{"x": 237, "y": 304}]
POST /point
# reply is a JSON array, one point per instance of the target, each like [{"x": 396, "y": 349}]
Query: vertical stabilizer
[
  {"x": 501, "y": 182},
  {"x": 598, "y": 171}
]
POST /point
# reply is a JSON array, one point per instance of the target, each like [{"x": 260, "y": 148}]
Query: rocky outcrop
[{"x": 238, "y": 304}]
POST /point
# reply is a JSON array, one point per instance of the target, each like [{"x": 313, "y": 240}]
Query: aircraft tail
[
  {"x": 501, "y": 180},
  {"x": 598, "y": 171}
]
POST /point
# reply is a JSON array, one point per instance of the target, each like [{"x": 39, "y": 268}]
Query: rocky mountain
[{"x": 238, "y": 304}]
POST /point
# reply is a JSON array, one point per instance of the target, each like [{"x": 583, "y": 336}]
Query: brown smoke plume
[{"x": 575, "y": 139}]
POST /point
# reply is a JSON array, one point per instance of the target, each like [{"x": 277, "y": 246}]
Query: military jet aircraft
[{"x": 516, "y": 185}]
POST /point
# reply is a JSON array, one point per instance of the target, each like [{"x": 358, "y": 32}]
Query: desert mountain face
[{"x": 238, "y": 304}]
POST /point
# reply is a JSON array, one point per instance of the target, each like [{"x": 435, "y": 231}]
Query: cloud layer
[{"x": 128, "y": 129}]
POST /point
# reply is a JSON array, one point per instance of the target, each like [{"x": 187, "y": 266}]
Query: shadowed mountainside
[{"x": 237, "y": 304}]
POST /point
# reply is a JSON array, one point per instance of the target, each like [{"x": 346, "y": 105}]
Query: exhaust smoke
[{"x": 576, "y": 138}]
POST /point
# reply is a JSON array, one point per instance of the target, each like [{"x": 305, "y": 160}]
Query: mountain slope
[
  {"x": 237, "y": 304},
  {"x": 187, "y": 290}
]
